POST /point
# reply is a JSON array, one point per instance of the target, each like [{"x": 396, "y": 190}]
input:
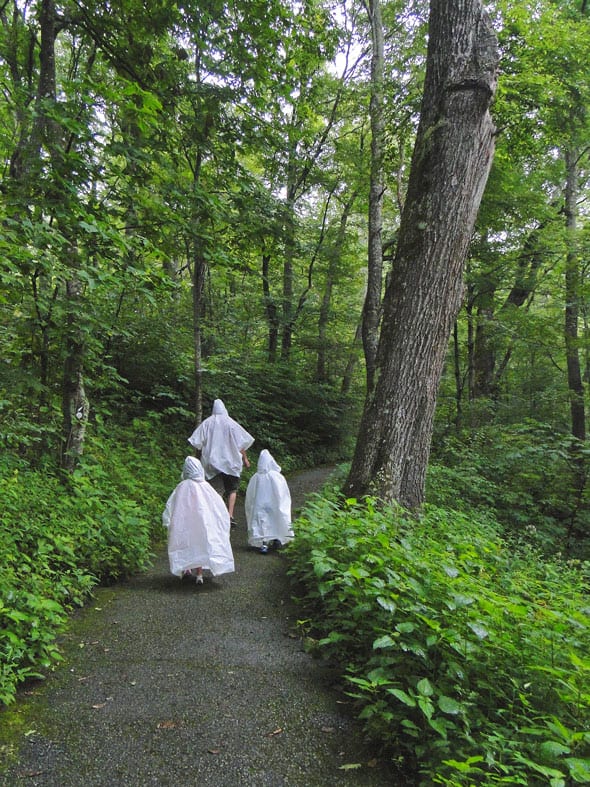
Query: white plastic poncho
[
  {"x": 198, "y": 525},
  {"x": 268, "y": 504},
  {"x": 220, "y": 440}
]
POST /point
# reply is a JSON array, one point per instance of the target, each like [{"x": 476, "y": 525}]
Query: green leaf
[
  {"x": 403, "y": 697},
  {"x": 579, "y": 769},
  {"x": 426, "y": 706},
  {"x": 425, "y": 687},
  {"x": 384, "y": 642},
  {"x": 552, "y": 749},
  {"x": 449, "y": 705},
  {"x": 479, "y": 630}
]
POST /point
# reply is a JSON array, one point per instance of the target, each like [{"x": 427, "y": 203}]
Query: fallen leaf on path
[
  {"x": 351, "y": 766},
  {"x": 99, "y": 705},
  {"x": 327, "y": 729},
  {"x": 167, "y": 725},
  {"x": 274, "y": 732},
  {"x": 214, "y": 751}
]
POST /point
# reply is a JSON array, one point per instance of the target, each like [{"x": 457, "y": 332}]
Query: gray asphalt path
[{"x": 167, "y": 683}]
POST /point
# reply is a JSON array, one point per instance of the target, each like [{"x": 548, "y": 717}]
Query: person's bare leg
[
  {"x": 231, "y": 502},
  {"x": 199, "y": 579}
]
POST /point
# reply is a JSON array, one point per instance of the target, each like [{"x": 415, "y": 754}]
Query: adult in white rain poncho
[
  {"x": 222, "y": 443},
  {"x": 268, "y": 505},
  {"x": 198, "y": 526}
]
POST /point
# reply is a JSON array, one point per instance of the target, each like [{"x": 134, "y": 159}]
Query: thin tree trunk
[
  {"x": 484, "y": 353},
  {"x": 470, "y": 344},
  {"x": 75, "y": 404},
  {"x": 288, "y": 308},
  {"x": 322, "y": 375},
  {"x": 488, "y": 372},
  {"x": 372, "y": 304},
  {"x": 451, "y": 161},
  {"x": 271, "y": 310},
  {"x": 198, "y": 282},
  {"x": 458, "y": 377},
  {"x": 352, "y": 361},
  {"x": 572, "y": 297}
]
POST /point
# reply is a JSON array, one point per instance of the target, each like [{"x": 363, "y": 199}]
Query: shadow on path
[{"x": 167, "y": 683}]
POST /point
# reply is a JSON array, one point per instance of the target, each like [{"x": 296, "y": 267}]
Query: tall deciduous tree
[
  {"x": 372, "y": 305},
  {"x": 452, "y": 157}
]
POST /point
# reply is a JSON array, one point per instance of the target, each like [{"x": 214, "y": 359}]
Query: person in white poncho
[
  {"x": 268, "y": 505},
  {"x": 222, "y": 443},
  {"x": 198, "y": 526}
]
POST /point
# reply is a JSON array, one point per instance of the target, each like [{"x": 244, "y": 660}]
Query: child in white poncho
[
  {"x": 198, "y": 526},
  {"x": 222, "y": 443},
  {"x": 268, "y": 505}
]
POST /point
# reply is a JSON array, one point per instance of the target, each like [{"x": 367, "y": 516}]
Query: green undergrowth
[
  {"x": 466, "y": 655},
  {"x": 60, "y": 539}
]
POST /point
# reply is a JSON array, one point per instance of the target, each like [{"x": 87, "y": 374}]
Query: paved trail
[{"x": 165, "y": 684}]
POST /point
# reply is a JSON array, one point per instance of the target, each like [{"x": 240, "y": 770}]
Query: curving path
[{"x": 165, "y": 683}]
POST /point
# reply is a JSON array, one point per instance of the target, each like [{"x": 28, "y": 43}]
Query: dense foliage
[
  {"x": 58, "y": 542},
  {"x": 465, "y": 653},
  {"x": 183, "y": 214}
]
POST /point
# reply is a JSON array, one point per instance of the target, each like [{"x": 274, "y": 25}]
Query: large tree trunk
[
  {"x": 451, "y": 161},
  {"x": 372, "y": 304}
]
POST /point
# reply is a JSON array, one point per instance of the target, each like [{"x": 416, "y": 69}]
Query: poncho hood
[
  {"x": 266, "y": 463},
  {"x": 193, "y": 469},
  {"x": 219, "y": 408}
]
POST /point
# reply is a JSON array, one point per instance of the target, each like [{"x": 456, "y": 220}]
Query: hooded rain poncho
[
  {"x": 198, "y": 525},
  {"x": 220, "y": 440},
  {"x": 268, "y": 504}
]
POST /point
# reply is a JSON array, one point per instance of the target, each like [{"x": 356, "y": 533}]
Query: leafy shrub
[
  {"x": 526, "y": 474},
  {"x": 466, "y": 657},
  {"x": 57, "y": 541}
]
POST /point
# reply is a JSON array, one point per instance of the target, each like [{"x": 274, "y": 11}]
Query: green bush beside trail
[
  {"x": 467, "y": 656},
  {"x": 60, "y": 539}
]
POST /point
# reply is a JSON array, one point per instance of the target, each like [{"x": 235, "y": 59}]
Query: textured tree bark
[
  {"x": 450, "y": 164},
  {"x": 322, "y": 371},
  {"x": 271, "y": 310},
  {"x": 372, "y": 304},
  {"x": 75, "y": 404},
  {"x": 572, "y": 305}
]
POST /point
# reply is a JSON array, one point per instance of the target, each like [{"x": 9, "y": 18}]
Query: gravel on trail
[{"x": 165, "y": 683}]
